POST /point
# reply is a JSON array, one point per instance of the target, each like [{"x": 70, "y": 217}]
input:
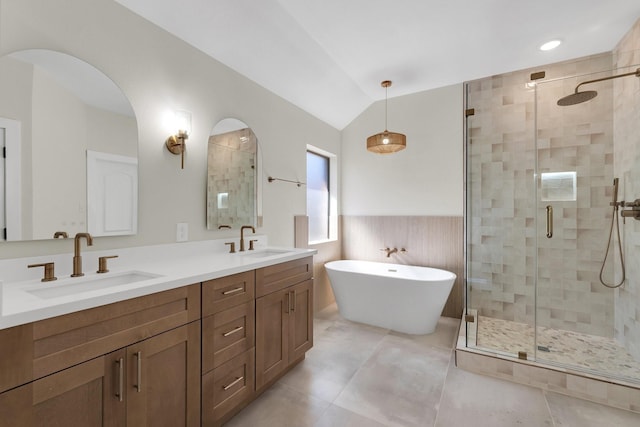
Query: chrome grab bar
[{"x": 549, "y": 221}]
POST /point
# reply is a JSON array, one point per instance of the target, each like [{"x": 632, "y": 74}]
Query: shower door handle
[{"x": 549, "y": 221}]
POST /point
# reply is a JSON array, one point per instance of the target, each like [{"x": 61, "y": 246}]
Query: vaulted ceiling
[{"x": 328, "y": 57}]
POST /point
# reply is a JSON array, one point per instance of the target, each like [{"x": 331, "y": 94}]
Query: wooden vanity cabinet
[
  {"x": 135, "y": 363},
  {"x": 189, "y": 356},
  {"x": 284, "y": 319}
]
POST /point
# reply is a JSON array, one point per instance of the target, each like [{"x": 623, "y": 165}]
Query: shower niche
[{"x": 540, "y": 213}]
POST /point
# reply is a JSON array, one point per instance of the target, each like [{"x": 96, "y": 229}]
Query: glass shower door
[
  {"x": 574, "y": 177},
  {"x": 500, "y": 219}
]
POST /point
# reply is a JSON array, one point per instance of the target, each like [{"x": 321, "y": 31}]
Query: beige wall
[
  {"x": 425, "y": 178},
  {"x": 159, "y": 73}
]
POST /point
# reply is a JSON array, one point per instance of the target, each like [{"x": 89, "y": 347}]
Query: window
[{"x": 321, "y": 200}]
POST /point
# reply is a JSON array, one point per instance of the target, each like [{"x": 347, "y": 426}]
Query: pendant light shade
[{"x": 386, "y": 142}]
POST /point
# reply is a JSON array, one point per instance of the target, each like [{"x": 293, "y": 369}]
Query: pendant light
[{"x": 386, "y": 142}]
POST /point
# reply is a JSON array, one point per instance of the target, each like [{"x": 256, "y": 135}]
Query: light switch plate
[{"x": 182, "y": 232}]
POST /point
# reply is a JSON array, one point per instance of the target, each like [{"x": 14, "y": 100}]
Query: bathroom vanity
[{"x": 193, "y": 354}]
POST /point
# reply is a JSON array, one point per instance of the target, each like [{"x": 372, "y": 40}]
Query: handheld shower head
[{"x": 615, "y": 192}]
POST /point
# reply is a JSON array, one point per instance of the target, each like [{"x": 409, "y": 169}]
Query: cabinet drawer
[
  {"x": 280, "y": 276},
  {"x": 227, "y": 334},
  {"x": 227, "y": 387},
  {"x": 225, "y": 292}
]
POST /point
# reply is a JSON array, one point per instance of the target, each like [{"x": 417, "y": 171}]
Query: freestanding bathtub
[{"x": 403, "y": 298}]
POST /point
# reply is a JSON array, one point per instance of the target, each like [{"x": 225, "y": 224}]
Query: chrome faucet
[
  {"x": 242, "y": 235},
  {"x": 77, "y": 259}
]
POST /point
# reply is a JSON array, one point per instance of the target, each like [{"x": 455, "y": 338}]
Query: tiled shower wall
[
  {"x": 626, "y": 105},
  {"x": 507, "y": 226}
]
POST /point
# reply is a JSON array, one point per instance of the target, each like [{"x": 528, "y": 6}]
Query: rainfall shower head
[{"x": 579, "y": 97}]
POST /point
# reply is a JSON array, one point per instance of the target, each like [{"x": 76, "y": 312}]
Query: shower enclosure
[{"x": 539, "y": 192}]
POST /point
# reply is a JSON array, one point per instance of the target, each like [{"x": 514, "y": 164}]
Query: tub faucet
[
  {"x": 242, "y": 235},
  {"x": 77, "y": 258},
  {"x": 389, "y": 251}
]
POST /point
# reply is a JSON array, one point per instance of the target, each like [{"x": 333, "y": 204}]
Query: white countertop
[{"x": 167, "y": 267}]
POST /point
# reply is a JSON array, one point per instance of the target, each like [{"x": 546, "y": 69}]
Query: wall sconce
[{"x": 181, "y": 120}]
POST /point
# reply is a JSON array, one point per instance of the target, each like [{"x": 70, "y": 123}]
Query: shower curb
[{"x": 605, "y": 391}]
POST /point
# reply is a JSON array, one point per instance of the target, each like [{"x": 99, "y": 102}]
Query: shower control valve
[{"x": 634, "y": 212}]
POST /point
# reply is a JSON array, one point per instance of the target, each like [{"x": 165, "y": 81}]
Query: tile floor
[{"x": 361, "y": 376}]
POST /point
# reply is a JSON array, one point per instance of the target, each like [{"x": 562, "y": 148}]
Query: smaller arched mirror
[{"x": 233, "y": 184}]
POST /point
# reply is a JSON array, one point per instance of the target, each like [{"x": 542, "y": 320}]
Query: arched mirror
[
  {"x": 71, "y": 139},
  {"x": 233, "y": 184}
]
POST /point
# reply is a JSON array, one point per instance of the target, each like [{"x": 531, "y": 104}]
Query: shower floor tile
[{"x": 594, "y": 354}]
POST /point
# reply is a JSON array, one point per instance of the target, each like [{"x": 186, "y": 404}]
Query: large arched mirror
[
  {"x": 233, "y": 184},
  {"x": 71, "y": 139}
]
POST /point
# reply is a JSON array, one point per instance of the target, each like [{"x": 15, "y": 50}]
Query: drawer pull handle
[
  {"x": 237, "y": 380},
  {"x": 233, "y": 291},
  {"x": 120, "y": 392},
  {"x": 138, "y": 356},
  {"x": 233, "y": 331}
]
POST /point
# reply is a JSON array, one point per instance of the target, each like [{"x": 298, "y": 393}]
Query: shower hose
[{"x": 615, "y": 219}]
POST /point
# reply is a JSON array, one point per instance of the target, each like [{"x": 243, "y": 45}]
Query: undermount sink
[
  {"x": 263, "y": 253},
  {"x": 78, "y": 285}
]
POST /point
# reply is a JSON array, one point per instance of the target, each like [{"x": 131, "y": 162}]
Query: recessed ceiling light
[{"x": 550, "y": 45}]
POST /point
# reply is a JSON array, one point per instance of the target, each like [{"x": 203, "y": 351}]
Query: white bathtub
[{"x": 403, "y": 298}]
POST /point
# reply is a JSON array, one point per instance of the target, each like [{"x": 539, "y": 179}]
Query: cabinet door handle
[
  {"x": 549, "y": 221},
  {"x": 293, "y": 293},
  {"x": 233, "y": 331},
  {"x": 287, "y": 306},
  {"x": 233, "y": 291},
  {"x": 236, "y": 381},
  {"x": 120, "y": 392},
  {"x": 138, "y": 356}
]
